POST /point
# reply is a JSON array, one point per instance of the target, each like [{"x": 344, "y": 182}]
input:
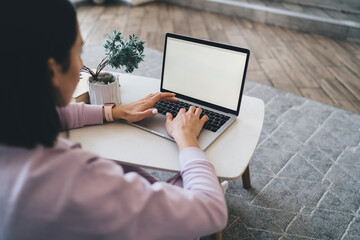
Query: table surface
[{"x": 230, "y": 153}]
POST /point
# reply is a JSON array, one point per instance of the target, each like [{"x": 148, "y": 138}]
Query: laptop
[{"x": 204, "y": 74}]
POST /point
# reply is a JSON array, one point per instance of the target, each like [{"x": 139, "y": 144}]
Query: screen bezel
[{"x": 213, "y": 44}]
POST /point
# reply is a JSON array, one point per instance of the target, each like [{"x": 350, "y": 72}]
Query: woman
[{"x": 51, "y": 188}]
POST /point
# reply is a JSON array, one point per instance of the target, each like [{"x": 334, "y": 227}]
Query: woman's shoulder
[
  {"x": 64, "y": 159},
  {"x": 65, "y": 154},
  {"x": 62, "y": 156}
]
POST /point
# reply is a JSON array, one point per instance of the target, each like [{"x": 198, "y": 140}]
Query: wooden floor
[{"x": 308, "y": 65}]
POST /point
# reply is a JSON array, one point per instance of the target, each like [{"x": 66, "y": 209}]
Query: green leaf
[{"x": 125, "y": 53}]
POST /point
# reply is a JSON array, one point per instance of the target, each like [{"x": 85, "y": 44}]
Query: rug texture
[{"x": 305, "y": 172}]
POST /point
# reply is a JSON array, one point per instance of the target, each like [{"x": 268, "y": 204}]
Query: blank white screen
[{"x": 204, "y": 72}]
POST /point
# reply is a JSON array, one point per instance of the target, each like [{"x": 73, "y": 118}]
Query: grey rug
[{"x": 305, "y": 172}]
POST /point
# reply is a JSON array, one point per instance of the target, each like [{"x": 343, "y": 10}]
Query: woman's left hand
[{"x": 140, "y": 109}]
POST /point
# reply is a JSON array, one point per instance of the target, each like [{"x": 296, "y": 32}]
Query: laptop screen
[{"x": 206, "y": 71}]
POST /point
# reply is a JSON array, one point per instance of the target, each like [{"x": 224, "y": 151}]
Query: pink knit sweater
[{"x": 65, "y": 192}]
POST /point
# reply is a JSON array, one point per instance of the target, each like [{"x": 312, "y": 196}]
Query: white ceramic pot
[{"x": 105, "y": 93}]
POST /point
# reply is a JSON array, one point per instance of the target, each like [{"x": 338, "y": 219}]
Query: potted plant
[{"x": 103, "y": 86}]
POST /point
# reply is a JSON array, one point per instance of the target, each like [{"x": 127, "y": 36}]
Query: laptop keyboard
[{"x": 216, "y": 120}]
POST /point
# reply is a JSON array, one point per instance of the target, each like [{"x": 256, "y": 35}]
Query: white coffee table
[{"x": 230, "y": 153}]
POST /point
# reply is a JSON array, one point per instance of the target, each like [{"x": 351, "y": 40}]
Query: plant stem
[
  {"x": 101, "y": 66},
  {"x": 88, "y": 70}
]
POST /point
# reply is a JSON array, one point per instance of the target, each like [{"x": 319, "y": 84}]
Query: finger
[
  {"x": 172, "y": 99},
  {"x": 169, "y": 119},
  {"x": 191, "y": 109},
  {"x": 162, "y": 96},
  {"x": 149, "y": 113},
  {"x": 167, "y": 94},
  {"x": 156, "y": 97},
  {"x": 204, "y": 119},
  {"x": 169, "y": 116},
  {"x": 198, "y": 111},
  {"x": 182, "y": 110}
]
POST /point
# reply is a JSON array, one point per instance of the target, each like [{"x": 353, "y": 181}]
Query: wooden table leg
[
  {"x": 246, "y": 178},
  {"x": 216, "y": 236}
]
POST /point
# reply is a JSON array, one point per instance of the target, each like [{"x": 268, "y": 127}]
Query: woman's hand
[
  {"x": 185, "y": 128},
  {"x": 140, "y": 109}
]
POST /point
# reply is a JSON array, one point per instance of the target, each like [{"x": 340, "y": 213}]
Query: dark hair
[{"x": 32, "y": 32}]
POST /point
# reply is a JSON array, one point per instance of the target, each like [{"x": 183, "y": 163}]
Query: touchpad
[{"x": 155, "y": 124}]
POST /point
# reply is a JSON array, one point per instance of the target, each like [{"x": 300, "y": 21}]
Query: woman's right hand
[{"x": 185, "y": 128}]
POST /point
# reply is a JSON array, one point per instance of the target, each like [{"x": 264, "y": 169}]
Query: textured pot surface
[{"x": 104, "y": 93}]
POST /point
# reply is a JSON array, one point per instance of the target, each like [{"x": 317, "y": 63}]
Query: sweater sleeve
[
  {"x": 115, "y": 204},
  {"x": 77, "y": 115}
]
